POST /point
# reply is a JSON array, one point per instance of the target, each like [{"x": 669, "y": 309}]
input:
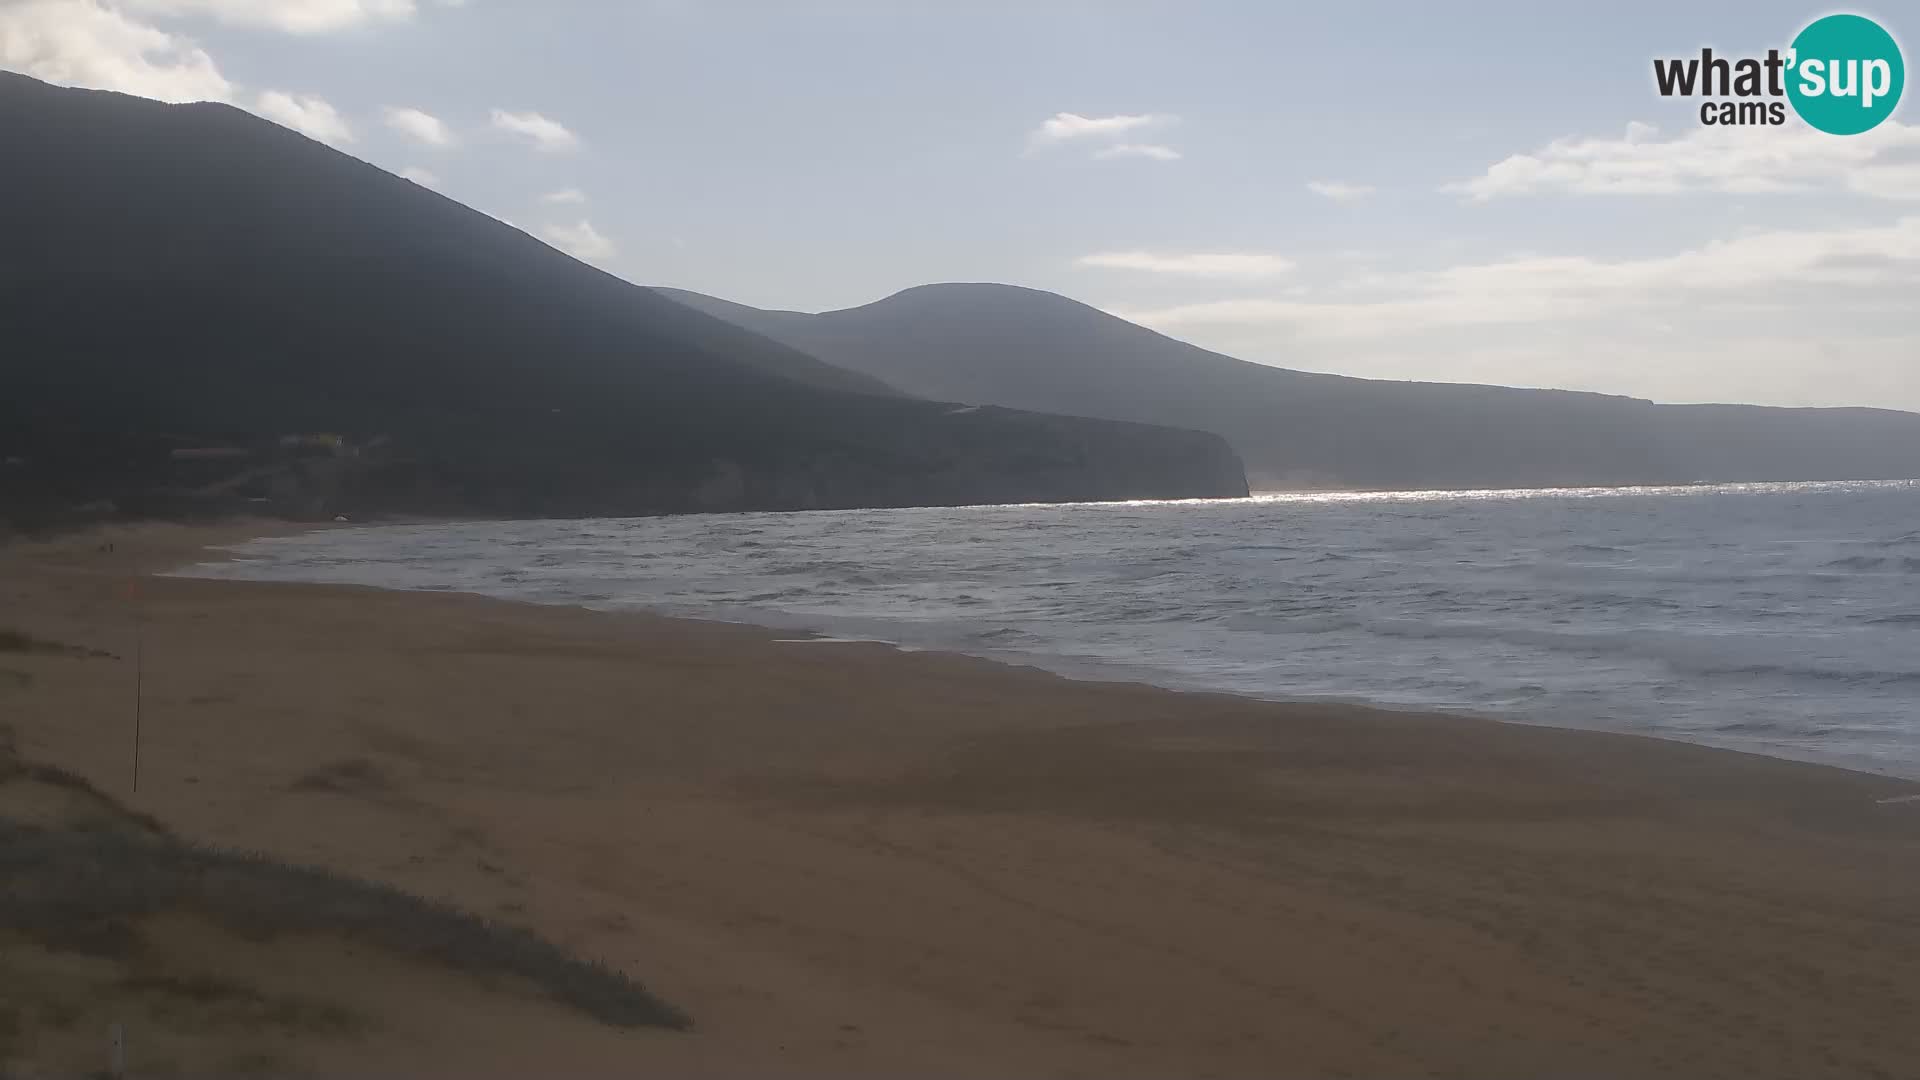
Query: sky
[{"x": 1447, "y": 192}]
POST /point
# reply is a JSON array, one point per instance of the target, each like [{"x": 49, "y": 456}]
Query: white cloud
[
  {"x": 1066, "y": 125},
  {"x": 1734, "y": 160},
  {"x": 1146, "y": 150},
  {"x": 307, "y": 114},
  {"x": 426, "y": 178},
  {"x": 423, "y": 126},
  {"x": 1861, "y": 263},
  {"x": 1892, "y": 181},
  {"x": 580, "y": 240},
  {"x": 1194, "y": 264},
  {"x": 110, "y": 45},
  {"x": 1339, "y": 192},
  {"x": 291, "y": 16},
  {"x": 546, "y": 134},
  {"x": 1069, "y": 127},
  {"x": 564, "y": 196},
  {"x": 82, "y": 43}
]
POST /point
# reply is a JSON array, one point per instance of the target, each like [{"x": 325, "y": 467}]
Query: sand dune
[{"x": 845, "y": 861}]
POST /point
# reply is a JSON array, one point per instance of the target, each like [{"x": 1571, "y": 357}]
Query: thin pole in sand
[{"x": 139, "y": 676}]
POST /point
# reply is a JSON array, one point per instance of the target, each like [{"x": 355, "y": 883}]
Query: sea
[{"x": 1777, "y": 618}]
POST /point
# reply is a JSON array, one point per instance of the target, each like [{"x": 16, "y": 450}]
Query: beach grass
[
  {"x": 86, "y": 891},
  {"x": 87, "y": 887}
]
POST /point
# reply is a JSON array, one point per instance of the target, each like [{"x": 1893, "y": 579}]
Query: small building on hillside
[
  {"x": 209, "y": 453},
  {"x": 315, "y": 444}
]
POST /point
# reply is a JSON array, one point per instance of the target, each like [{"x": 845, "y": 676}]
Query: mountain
[
  {"x": 1027, "y": 349},
  {"x": 193, "y": 281}
]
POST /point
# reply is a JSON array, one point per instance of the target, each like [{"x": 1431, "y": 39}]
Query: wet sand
[{"x": 842, "y": 860}]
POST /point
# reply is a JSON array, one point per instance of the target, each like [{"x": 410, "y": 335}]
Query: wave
[
  {"x": 1774, "y": 727},
  {"x": 1856, "y": 562},
  {"x": 1902, "y": 564},
  {"x": 1291, "y": 624},
  {"x": 1005, "y": 635},
  {"x": 794, "y": 593},
  {"x": 1697, "y": 654}
]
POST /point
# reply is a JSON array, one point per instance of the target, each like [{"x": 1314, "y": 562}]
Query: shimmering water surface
[{"x": 1783, "y": 618}]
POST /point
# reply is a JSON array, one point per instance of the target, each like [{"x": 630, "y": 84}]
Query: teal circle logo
[{"x": 1846, "y": 74}]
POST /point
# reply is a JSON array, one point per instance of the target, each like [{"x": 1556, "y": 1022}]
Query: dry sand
[{"x": 846, "y": 861}]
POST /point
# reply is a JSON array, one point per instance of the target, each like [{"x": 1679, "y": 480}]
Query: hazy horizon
[{"x": 1455, "y": 197}]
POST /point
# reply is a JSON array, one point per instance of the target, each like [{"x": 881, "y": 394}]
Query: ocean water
[{"x": 1779, "y": 618}]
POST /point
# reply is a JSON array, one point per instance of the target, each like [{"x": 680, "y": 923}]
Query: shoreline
[
  {"x": 1092, "y": 671},
  {"x": 856, "y": 861}
]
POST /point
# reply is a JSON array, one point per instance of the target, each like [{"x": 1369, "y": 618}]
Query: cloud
[
  {"x": 1860, "y": 264},
  {"x": 1069, "y": 127},
  {"x": 1732, "y": 160},
  {"x": 549, "y": 135},
  {"x": 1196, "y": 264},
  {"x": 580, "y": 240},
  {"x": 82, "y": 43},
  {"x": 1145, "y": 150},
  {"x": 307, "y": 114},
  {"x": 423, "y": 126},
  {"x": 424, "y": 177},
  {"x": 1887, "y": 181},
  {"x": 1339, "y": 192},
  {"x": 1063, "y": 126},
  {"x": 291, "y": 16},
  {"x": 564, "y": 196},
  {"x": 110, "y": 46}
]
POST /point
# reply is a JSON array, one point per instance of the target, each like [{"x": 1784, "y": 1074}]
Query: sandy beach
[{"x": 842, "y": 860}]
